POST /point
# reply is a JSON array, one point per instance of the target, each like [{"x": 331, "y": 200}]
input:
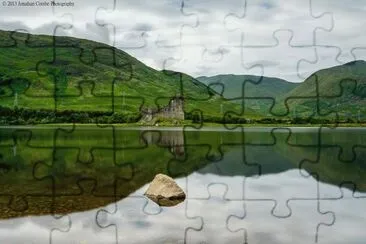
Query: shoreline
[{"x": 189, "y": 125}]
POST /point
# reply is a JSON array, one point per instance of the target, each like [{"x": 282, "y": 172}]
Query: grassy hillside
[
  {"x": 341, "y": 88},
  {"x": 64, "y": 73}
]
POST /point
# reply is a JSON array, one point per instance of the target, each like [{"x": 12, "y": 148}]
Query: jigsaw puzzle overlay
[{"x": 255, "y": 108}]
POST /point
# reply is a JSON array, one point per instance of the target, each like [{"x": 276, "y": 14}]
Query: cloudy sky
[{"x": 285, "y": 39}]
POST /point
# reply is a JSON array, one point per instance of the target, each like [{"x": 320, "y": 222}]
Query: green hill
[
  {"x": 231, "y": 87},
  {"x": 64, "y": 73},
  {"x": 255, "y": 86},
  {"x": 340, "y": 88}
]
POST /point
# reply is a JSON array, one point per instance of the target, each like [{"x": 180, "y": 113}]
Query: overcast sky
[{"x": 200, "y": 37}]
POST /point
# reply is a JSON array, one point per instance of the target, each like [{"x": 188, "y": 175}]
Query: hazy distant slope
[
  {"x": 266, "y": 87},
  {"x": 263, "y": 90},
  {"x": 341, "y": 88}
]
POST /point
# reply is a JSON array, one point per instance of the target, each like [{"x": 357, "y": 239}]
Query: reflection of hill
[
  {"x": 264, "y": 155},
  {"x": 335, "y": 163},
  {"x": 87, "y": 169}
]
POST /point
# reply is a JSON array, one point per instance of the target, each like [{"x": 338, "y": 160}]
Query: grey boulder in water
[{"x": 164, "y": 191}]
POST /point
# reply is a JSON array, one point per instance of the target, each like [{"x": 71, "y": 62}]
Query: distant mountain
[
  {"x": 340, "y": 88},
  {"x": 255, "y": 86}
]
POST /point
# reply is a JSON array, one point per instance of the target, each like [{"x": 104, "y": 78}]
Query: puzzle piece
[
  {"x": 67, "y": 78},
  {"x": 288, "y": 148},
  {"x": 258, "y": 226},
  {"x": 84, "y": 229},
  {"x": 128, "y": 216},
  {"x": 281, "y": 16},
  {"x": 262, "y": 55},
  {"x": 271, "y": 106},
  {"x": 173, "y": 37},
  {"x": 340, "y": 18},
  {"x": 37, "y": 229},
  {"x": 135, "y": 38},
  {"x": 340, "y": 160},
  {"x": 18, "y": 86},
  {"x": 229, "y": 146},
  {"x": 208, "y": 12},
  {"x": 6, "y": 40},
  {"x": 80, "y": 21},
  {"x": 18, "y": 166},
  {"x": 291, "y": 185},
  {"x": 340, "y": 88},
  {"x": 65, "y": 168},
  {"x": 326, "y": 56},
  {"x": 74, "y": 138},
  {"x": 350, "y": 220},
  {"x": 148, "y": 159},
  {"x": 192, "y": 91},
  {"x": 173, "y": 140},
  {"x": 201, "y": 148},
  {"x": 15, "y": 18},
  {"x": 358, "y": 53},
  {"x": 215, "y": 212},
  {"x": 344, "y": 142},
  {"x": 196, "y": 59},
  {"x": 171, "y": 154}
]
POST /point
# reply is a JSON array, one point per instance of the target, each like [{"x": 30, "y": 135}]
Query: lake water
[{"x": 252, "y": 185}]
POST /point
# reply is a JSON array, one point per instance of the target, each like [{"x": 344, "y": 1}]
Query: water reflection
[
  {"x": 98, "y": 180},
  {"x": 212, "y": 220},
  {"x": 172, "y": 139}
]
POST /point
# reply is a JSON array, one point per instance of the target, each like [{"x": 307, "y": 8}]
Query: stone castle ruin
[{"x": 173, "y": 111}]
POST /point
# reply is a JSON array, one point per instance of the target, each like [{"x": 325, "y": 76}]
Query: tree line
[{"x": 23, "y": 116}]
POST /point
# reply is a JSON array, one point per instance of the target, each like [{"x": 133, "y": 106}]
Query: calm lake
[{"x": 248, "y": 185}]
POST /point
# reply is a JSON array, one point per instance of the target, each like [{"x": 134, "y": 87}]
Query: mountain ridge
[
  {"x": 343, "y": 86},
  {"x": 62, "y": 73},
  {"x": 254, "y": 85},
  {"x": 67, "y": 73}
]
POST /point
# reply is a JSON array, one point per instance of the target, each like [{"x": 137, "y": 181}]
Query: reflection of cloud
[
  {"x": 137, "y": 222},
  {"x": 34, "y": 229}
]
